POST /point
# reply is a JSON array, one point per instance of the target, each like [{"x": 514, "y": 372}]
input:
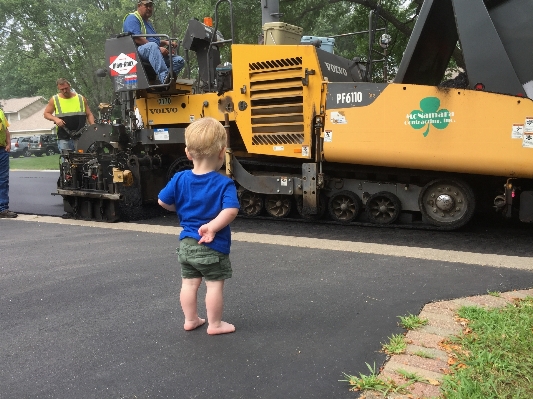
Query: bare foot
[
  {"x": 223, "y": 328},
  {"x": 191, "y": 325}
]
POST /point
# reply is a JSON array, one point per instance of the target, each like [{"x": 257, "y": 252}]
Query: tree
[
  {"x": 47, "y": 39},
  {"x": 352, "y": 16}
]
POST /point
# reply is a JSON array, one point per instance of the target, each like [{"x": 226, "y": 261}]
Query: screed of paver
[{"x": 471, "y": 258}]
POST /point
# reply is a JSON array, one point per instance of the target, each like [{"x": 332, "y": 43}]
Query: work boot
[
  {"x": 167, "y": 79},
  {"x": 8, "y": 214}
]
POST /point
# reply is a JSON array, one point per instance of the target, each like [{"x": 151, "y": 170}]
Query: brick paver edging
[{"x": 441, "y": 324}]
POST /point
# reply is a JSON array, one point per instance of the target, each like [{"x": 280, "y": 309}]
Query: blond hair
[{"x": 205, "y": 137}]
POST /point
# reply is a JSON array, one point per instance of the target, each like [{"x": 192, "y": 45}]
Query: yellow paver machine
[{"x": 311, "y": 135}]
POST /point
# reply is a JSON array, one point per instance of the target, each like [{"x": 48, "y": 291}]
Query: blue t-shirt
[
  {"x": 133, "y": 26},
  {"x": 198, "y": 200}
]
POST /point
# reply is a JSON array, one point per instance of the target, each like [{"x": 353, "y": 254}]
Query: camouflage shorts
[{"x": 200, "y": 261}]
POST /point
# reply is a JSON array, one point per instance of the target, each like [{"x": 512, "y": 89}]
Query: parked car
[
  {"x": 19, "y": 146},
  {"x": 43, "y": 144}
]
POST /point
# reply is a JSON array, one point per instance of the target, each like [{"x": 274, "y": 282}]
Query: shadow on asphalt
[{"x": 486, "y": 234}]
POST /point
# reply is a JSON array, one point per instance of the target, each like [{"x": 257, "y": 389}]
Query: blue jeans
[
  {"x": 152, "y": 53},
  {"x": 66, "y": 145},
  {"x": 4, "y": 179}
]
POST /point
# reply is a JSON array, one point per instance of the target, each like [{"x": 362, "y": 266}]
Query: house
[{"x": 25, "y": 116}]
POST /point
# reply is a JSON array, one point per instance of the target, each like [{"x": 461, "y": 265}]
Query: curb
[{"x": 442, "y": 324}]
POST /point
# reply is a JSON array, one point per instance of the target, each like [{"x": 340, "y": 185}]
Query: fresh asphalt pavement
[
  {"x": 93, "y": 312},
  {"x": 31, "y": 192}
]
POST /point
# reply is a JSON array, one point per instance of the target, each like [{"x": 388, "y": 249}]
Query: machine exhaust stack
[{"x": 270, "y": 11}]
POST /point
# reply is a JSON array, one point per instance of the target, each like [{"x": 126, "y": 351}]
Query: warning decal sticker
[
  {"x": 338, "y": 117},
  {"x": 528, "y": 126},
  {"x": 528, "y": 140},
  {"x": 161, "y": 134},
  {"x": 518, "y": 129}
]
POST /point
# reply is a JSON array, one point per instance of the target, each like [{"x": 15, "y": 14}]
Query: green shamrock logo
[{"x": 429, "y": 114}]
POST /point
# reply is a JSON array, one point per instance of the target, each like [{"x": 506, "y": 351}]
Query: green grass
[
  {"x": 35, "y": 163},
  {"x": 496, "y": 355},
  {"x": 412, "y": 322},
  {"x": 396, "y": 345},
  {"x": 372, "y": 382},
  {"x": 424, "y": 354},
  {"x": 411, "y": 377}
]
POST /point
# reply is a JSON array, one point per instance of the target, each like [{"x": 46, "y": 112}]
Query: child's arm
[
  {"x": 168, "y": 207},
  {"x": 209, "y": 230}
]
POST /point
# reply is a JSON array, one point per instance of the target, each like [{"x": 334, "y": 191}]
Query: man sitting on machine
[{"x": 151, "y": 49}]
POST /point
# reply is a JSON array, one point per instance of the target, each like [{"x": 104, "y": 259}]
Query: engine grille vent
[
  {"x": 272, "y": 64},
  {"x": 277, "y": 95}
]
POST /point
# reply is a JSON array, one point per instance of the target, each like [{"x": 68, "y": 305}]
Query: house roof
[
  {"x": 17, "y": 104},
  {"x": 32, "y": 122}
]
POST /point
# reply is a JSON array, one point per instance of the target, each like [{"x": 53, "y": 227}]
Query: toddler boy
[{"x": 206, "y": 203}]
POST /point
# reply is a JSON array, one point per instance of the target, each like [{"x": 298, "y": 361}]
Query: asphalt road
[
  {"x": 93, "y": 312},
  {"x": 31, "y": 192}
]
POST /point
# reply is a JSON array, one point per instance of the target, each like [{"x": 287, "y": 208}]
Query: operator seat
[
  {"x": 150, "y": 73},
  {"x": 128, "y": 46}
]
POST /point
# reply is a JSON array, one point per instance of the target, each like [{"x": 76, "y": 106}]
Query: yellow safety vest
[
  {"x": 3, "y": 129},
  {"x": 69, "y": 106},
  {"x": 138, "y": 16},
  {"x": 72, "y": 111}
]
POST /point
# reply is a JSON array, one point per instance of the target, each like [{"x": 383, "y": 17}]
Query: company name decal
[
  {"x": 429, "y": 115},
  {"x": 163, "y": 110},
  {"x": 336, "y": 69},
  {"x": 123, "y": 64}
]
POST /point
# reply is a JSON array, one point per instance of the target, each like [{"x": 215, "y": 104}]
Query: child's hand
[
  {"x": 206, "y": 233},
  {"x": 209, "y": 230}
]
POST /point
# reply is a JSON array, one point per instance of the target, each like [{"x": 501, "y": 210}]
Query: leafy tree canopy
[{"x": 44, "y": 39}]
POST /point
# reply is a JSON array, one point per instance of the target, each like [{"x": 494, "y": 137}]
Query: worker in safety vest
[
  {"x": 5, "y": 147},
  {"x": 151, "y": 49},
  {"x": 71, "y": 114}
]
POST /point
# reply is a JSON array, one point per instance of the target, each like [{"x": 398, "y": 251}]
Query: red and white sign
[{"x": 123, "y": 64}]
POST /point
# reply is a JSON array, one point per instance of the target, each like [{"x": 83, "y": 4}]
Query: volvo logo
[
  {"x": 163, "y": 110},
  {"x": 336, "y": 69}
]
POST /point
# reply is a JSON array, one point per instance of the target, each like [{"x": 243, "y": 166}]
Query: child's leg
[
  {"x": 214, "y": 302},
  {"x": 188, "y": 295}
]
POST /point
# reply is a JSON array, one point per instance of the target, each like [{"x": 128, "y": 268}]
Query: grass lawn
[
  {"x": 491, "y": 359},
  {"x": 495, "y": 358},
  {"x": 35, "y": 163}
]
